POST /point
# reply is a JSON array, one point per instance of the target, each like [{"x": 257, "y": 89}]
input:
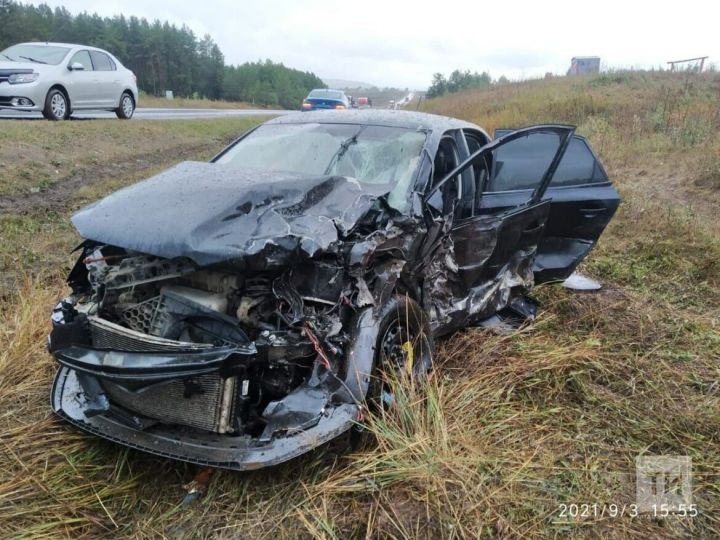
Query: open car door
[
  {"x": 495, "y": 235},
  {"x": 583, "y": 200}
]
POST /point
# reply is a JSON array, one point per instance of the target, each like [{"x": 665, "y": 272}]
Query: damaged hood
[{"x": 212, "y": 213}]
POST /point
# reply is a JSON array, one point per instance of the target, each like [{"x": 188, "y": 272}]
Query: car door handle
[
  {"x": 533, "y": 228},
  {"x": 590, "y": 212}
]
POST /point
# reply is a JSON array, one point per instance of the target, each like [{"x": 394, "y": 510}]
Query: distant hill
[{"x": 342, "y": 84}]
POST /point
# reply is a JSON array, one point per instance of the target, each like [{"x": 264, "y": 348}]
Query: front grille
[
  {"x": 107, "y": 335},
  {"x": 210, "y": 404}
]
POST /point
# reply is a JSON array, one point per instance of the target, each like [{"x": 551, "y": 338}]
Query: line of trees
[
  {"x": 268, "y": 83},
  {"x": 162, "y": 56},
  {"x": 457, "y": 82}
]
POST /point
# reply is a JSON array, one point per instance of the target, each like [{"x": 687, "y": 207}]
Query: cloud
[{"x": 402, "y": 43}]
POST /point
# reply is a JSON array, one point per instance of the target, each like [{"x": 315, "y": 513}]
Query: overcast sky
[{"x": 402, "y": 43}]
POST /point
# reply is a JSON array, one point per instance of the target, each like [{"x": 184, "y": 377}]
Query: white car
[{"x": 58, "y": 79}]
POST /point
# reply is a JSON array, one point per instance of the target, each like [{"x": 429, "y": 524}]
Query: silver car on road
[{"x": 59, "y": 78}]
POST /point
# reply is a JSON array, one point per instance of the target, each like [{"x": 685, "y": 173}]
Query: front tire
[
  {"x": 127, "y": 107},
  {"x": 57, "y": 106},
  {"x": 404, "y": 348}
]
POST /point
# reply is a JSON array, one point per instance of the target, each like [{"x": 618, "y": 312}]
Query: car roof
[
  {"x": 57, "y": 44},
  {"x": 378, "y": 117}
]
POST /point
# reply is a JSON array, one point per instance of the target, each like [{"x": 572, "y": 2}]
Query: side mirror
[{"x": 76, "y": 66}]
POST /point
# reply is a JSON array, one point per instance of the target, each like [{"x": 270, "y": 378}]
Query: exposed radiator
[{"x": 210, "y": 405}]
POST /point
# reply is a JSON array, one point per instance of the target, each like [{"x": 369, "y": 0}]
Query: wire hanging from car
[{"x": 324, "y": 360}]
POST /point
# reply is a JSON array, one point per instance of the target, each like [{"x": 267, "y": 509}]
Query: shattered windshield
[{"x": 371, "y": 154}]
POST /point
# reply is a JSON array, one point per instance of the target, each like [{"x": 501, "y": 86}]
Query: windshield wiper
[
  {"x": 32, "y": 59},
  {"x": 347, "y": 143},
  {"x": 6, "y": 56}
]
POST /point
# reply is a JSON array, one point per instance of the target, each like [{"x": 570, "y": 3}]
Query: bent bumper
[
  {"x": 148, "y": 366},
  {"x": 239, "y": 453},
  {"x": 140, "y": 398}
]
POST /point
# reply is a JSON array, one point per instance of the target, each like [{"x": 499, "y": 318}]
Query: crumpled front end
[
  {"x": 211, "y": 365},
  {"x": 245, "y": 333},
  {"x": 204, "y": 447}
]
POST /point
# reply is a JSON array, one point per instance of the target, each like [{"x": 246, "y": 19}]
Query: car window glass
[
  {"x": 102, "y": 62},
  {"x": 578, "y": 166},
  {"x": 82, "y": 57},
  {"x": 522, "y": 163}
]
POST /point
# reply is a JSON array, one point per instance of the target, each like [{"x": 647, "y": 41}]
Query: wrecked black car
[{"x": 235, "y": 313}]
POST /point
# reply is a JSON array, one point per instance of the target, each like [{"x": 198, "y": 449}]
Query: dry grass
[
  {"x": 509, "y": 428},
  {"x": 37, "y": 155}
]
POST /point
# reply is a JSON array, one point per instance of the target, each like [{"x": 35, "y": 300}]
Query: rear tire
[
  {"x": 57, "y": 106},
  {"x": 127, "y": 107}
]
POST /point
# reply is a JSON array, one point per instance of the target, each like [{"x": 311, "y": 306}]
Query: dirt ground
[
  {"x": 671, "y": 182},
  {"x": 60, "y": 196}
]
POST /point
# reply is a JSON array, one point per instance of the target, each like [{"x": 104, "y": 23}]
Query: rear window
[
  {"x": 577, "y": 167},
  {"x": 521, "y": 164},
  {"x": 327, "y": 94}
]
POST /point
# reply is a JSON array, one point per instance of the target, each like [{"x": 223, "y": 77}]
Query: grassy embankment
[
  {"x": 48, "y": 170},
  {"x": 512, "y": 427},
  {"x": 189, "y": 103}
]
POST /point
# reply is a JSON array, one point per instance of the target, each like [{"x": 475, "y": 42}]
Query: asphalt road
[
  {"x": 143, "y": 113},
  {"x": 147, "y": 113}
]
